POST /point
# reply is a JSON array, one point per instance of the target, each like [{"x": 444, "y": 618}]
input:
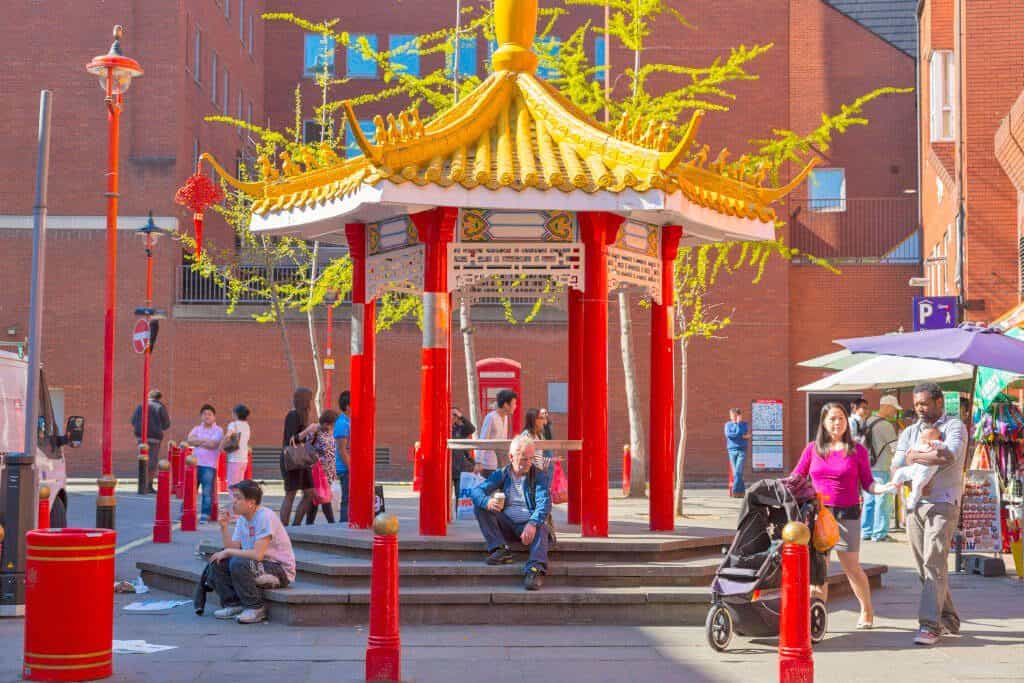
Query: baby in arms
[{"x": 917, "y": 474}]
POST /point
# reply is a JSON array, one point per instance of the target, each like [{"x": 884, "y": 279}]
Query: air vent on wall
[{"x": 382, "y": 456}]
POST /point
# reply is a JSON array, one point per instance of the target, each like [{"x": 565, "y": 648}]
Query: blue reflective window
[
  {"x": 467, "y": 58},
  {"x": 547, "y": 49},
  {"x": 351, "y": 148},
  {"x": 318, "y": 52},
  {"x": 404, "y": 53},
  {"x": 600, "y": 56},
  {"x": 827, "y": 189},
  {"x": 359, "y": 66}
]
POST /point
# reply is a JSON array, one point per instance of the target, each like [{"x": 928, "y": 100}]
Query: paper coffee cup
[{"x": 500, "y": 498}]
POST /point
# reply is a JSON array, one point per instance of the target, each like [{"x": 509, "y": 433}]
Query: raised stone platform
[{"x": 633, "y": 577}]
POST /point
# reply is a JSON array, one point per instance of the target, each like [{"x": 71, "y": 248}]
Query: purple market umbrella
[{"x": 970, "y": 343}]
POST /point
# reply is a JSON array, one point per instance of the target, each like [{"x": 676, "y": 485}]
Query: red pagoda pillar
[
  {"x": 598, "y": 229},
  {"x": 436, "y": 229},
  {"x": 662, "y": 440},
  {"x": 363, "y": 392},
  {"x": 575, "y": 401}
]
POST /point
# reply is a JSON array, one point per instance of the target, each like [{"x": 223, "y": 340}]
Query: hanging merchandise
[{"x": 999, "y": 436}]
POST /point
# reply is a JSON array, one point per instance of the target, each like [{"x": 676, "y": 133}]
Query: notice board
[{"x": 766, "y": 436}]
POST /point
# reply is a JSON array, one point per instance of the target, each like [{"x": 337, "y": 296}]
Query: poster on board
[{"x": 766, "y": 448}]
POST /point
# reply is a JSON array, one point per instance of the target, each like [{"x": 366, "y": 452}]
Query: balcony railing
[
  {"x": 193, "y": 288},
  {"x": 881, "y": 230}
]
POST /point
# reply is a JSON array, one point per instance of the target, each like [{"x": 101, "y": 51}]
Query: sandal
[{"x": 865, "y": 624}]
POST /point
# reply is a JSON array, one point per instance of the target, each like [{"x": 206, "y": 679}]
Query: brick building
[
  {"x": 970, "y": 77},
  {"x": 205, "y": 57}
]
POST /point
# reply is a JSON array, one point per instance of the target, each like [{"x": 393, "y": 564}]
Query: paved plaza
[{"x": 991, "y": 646}]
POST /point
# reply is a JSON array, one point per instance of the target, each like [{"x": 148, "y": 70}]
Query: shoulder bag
[{"x": 299, "y": 456}]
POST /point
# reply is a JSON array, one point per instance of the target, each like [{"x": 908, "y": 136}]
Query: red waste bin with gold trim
[{"x": 69, "y": 604}]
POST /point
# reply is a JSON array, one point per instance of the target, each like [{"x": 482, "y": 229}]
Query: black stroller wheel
[
  {"x": 819, "y": 620},
  {"x": 718, "y": 627}
]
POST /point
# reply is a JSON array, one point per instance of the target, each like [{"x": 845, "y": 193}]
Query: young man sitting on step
[
  {"x": 256, "y": 556},
  {"x": 512, "y": 506}
]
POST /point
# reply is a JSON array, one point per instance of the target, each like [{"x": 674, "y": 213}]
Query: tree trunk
[
  {"x": 637, "y": 440},
  {"x": 681, "y": 447},
  {"x": 469, "y": 350},
  {"x": 275, "y": 304},
  {"x": 314, "y": 347}
]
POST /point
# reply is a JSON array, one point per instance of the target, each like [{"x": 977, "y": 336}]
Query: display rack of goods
[{"x": 980, "y": 515}]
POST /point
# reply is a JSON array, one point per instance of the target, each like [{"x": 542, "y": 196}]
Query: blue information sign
[{"x": 934, "y": 312}]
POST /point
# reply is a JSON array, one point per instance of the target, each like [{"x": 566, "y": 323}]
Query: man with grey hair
[
  {"x": 512, "y": 506},
  {"x": 932, "y": 521}
]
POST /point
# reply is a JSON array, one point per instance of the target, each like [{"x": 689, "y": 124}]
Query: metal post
[
  {"x": 575, "y": 402},
  {"x": 145, "y": 484},
  {"x": 384, "y": 642},
  {"x": 796, "y": 661},
  {"x": 19, "y": 471}
]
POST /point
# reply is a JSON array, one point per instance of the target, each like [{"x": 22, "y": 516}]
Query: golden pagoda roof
[{"x": 515, "y": 131}]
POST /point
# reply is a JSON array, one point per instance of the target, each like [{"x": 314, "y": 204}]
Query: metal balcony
[{"x": 878, "y": 230}]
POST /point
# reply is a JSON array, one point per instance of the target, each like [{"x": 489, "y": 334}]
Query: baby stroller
[{"x": 745, "y": 591}]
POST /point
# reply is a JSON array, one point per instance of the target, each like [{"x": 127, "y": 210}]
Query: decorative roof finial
[
  {"x": 115, "y": 47},
  {"x": 515, "y": 25}
]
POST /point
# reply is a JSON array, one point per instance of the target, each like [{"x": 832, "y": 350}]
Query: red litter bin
[{"x": 69, "y": 604}]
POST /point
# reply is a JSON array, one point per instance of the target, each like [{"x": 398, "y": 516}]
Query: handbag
[
  {"x": 321, "y": 486},
  {"x": 826, "y": 528},
  {"x": 299, "y": 456},
  {"x": 559, "y": 484},
  {"x": 232, "y": 442}
]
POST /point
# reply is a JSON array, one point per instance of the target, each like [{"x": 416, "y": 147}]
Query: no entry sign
[{"x": 140, "y": 336}]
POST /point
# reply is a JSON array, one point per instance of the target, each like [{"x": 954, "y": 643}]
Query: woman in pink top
[{"x": 839, "y": 469}]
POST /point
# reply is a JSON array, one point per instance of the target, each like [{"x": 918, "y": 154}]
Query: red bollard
[
  {"x": 222, "y": 473},
  {"x": 69, "y": 604},
  {"x": 162, "y": 518},
  {"x": 248, "y": 466},
  {"x": 627, "y": 470},
  {"x": 214, "y": 507},
  {"x": 796, "y": 662},
  {"x": 179, "y": 472},
  {"x": 43, "y": 517},
  {"x": 417, "y": 467},
  {"x": 188, "y": 504},
  {"x": 174, "y": 457},
  {"x": 384, "y": 644}
]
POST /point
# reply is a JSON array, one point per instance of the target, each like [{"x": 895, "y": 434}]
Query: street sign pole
[{"x": 19, "y": 471}]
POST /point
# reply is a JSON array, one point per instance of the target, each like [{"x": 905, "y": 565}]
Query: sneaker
[
  {"x": 500, "y": 555},
  {"x": 203, "y": 519},
  {"x": 925, "y": 636},
  {"x": 948, "y": 630},
  {"x": 252, "y": 616},
  {"x": 534, "y": 579},
  {"x": 229, "y": 612}
]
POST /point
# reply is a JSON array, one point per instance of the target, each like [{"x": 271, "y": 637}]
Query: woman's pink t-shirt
[{"x": 837, "y": 476}]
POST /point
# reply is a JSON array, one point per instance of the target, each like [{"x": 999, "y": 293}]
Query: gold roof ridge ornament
[{"x": 515, "y": 26}]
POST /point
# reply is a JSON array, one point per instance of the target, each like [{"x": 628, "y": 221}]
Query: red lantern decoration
[{"x": 197, "y": 193}]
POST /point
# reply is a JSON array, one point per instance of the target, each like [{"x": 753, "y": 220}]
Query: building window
[
  {"x": 248, "y": 118},
  {"x": 558, "y": 397},
  {"x": 828, "y": 189},
  {"x": 241, "y": 109},
  {"x": 213, "y": 77},
  {"x": 318, "y": 55},
  {"x": 600, "y": 56},
  {"x": 943, "y": 94},
  {"x": 250, "y": 35},
  {"x": 224, "y": 104},
  {"x": 547, "y": 49},
  {"x": 241, "y": 20},
  {"x": 351, "y": 148},
  {"x": 196, "y": 55},
  {"x": 404, "y": 54},
  {"x": 467, "y": 58},
  {"x": 227, "y": 9},
  {"x": 311, "y": 131},
  {"x": 356, "y": 64},
  {"x": 195, "y": 152}
]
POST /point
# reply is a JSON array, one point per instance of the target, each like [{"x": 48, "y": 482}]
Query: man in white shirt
[
  {"x": 496, "y": 426},
  {"x": 256, "y": 556}
]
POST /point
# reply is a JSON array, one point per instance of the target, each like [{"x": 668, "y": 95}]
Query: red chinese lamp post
[
  {"x": 198, "y": 193},
  {"x": 149, "y": 233},
  {"x": 115, "y": 73},
  {"x": 330, "y": 298}
]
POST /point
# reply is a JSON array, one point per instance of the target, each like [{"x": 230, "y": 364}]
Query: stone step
[
  {"x": 344, "y": 571},
  {"x": 306, "y": 603},
  {"x": 464, "y": 544}
]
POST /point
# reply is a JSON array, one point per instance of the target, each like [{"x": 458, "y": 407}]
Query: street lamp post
[
  {"x": 115, "y": 73},
  {"x": 149, "y": 233},
  {"x": 330, "y": 297}
]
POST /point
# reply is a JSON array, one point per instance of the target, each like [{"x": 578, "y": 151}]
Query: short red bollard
[
  {"x": 179, "y": 474},
  {"x": 248, "y": 466},
  {"x": 162, "y": 518},
  {"x": 796, "y": 661},
  {"x": 384, "y": 644},
  {"x": 43, "y": 516},
  {"x": 222, "y": 473},
  {"x": 627, "y": 470},
  {"x": 417, "y": 467},
  {"x": 188, "y": 503},
  {"x": 174, "y": 457},
  {"x": 214, "y": 507},
  {"x": 69, "y": 604}
]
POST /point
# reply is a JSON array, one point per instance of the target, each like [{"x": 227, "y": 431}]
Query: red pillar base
[
  {"x": 162, "y": 519},
  {"x": 188, "y": 504}
]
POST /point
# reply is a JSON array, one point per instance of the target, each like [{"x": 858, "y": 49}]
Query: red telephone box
[{"x": 493, "y": 375}]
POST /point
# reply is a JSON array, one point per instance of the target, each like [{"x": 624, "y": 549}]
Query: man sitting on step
[
  {"x": 257, "y": 555},
  {"x": 512, "y": 505}
]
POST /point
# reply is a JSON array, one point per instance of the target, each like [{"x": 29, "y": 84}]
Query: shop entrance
[{"x": 816, "y": 401}]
